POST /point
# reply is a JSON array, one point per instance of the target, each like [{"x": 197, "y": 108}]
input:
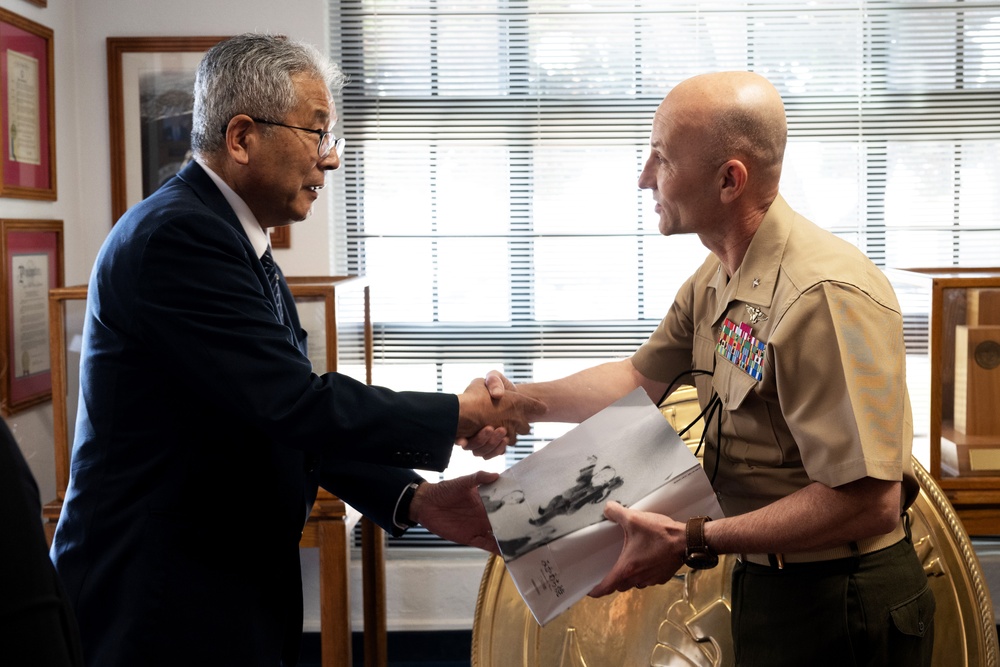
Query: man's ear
[
  {"x": 733, "y": 179},
  {"x": 241, "y": 132}
]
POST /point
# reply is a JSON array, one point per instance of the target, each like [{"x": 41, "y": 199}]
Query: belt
[{"x": 859, "y": 548}]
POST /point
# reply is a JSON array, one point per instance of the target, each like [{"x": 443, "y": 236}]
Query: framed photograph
[
  {"x": 150, "y": 95},
  {"x": 27, "y": 109},
  {"x": 32, "y": 253}
]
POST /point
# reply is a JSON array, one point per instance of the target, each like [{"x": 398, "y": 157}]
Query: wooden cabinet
[{"x": 952, "y": 320}]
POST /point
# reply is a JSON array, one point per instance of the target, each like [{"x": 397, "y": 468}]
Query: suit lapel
[{"x": 202, "y": 185}]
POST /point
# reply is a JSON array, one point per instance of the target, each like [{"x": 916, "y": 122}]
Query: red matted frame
[
  {"x": 27, "y": 73},
  {"x": 32, "y": 253}
]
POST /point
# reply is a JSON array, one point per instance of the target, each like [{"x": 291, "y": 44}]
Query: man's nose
[
  {"x": 331, "y": 162},
  {"x": 646, "y": 182}
]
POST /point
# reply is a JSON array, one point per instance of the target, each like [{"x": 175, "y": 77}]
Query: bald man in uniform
[{"x": 797, "y": 337}]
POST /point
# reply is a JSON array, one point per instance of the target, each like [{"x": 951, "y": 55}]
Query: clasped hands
[{"x": 491, "y": 414}]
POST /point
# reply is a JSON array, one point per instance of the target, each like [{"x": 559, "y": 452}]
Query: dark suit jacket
[
  {"x": 201, "y": 436},
  {"x": 37, "y": 626}
]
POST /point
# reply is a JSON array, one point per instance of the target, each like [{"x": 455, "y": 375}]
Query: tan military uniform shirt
[{"x": 831, "y": 403}]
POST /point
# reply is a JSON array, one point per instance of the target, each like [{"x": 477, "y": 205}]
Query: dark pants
[{"x": 873, "y": 610}]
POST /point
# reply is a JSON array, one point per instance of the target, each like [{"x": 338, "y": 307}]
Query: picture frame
[
  {"x": 281, "y": 237},
  {"x": 32, "y": 252},
  {"x": 147, "y": 147},
  {"x": 27, "y": 109},
  {"x": 149, "y": 78}
]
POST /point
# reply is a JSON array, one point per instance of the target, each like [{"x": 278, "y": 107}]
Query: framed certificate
[
  {"x": 27, "y": 109},
  {"x": 33, "y": 264}
]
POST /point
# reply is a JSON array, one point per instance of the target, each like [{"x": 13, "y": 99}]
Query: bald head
[
  {"x": 734, "y": 115},
  {"x": 716, "y": 148}
]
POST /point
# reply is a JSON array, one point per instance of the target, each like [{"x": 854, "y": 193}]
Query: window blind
[{"x": 489, "y": 185}]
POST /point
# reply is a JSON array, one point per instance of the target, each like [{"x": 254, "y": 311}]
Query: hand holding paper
[
  {"x": 652, "y": 552},
  {"x": 451, "y": 509},
  {"x": 547, "y": 511}
]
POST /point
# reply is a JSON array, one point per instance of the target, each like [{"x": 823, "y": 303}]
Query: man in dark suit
[
  {"x": 37, "y": 626},
  {"x": 195, "y": 385}
]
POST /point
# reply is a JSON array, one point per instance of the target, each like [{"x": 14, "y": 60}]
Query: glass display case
[
  {"x": 952, "y": 330},
  {"x": 335, "y": 312}
]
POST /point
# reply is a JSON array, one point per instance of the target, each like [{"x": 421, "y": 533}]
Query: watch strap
[
  {"x": 697, "y": 554},
  {"x": 695, "y": 533}
]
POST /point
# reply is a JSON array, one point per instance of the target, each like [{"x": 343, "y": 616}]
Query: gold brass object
[
  {"x": 681, "y": 409},
  {"x": 685, "y": 622}
]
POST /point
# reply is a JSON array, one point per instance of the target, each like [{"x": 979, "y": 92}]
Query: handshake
[{"x": 491, "y": 414}]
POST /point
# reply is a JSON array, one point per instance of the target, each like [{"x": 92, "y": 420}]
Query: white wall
[{"x": 84, "y": 205}]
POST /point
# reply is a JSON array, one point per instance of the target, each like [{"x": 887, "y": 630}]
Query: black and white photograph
[{"x": 564, "y": 487}]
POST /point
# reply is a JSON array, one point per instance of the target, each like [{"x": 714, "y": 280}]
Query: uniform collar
[
  {"x": 758, "y": 273},
  {"x": 755, "y": 279}
]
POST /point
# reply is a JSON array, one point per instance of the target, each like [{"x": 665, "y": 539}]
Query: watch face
[
  {"x": 701, "y": 560},
  {"x": 697, "y": 555}
]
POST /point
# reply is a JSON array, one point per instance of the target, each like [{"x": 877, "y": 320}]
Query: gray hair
[{"x": 252, "y": 74}]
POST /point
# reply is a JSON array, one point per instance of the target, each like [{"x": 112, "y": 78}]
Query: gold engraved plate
[
  {"x": 685, "y": 622},
  {"x": 984, "y": 459}
]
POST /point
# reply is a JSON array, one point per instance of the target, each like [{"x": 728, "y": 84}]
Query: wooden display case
[
  {"x": 334, "y": 310},
  {"x": 952, "y": 318}
]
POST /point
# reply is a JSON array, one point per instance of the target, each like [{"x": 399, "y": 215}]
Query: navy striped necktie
[{"x": 272, "y": 278}]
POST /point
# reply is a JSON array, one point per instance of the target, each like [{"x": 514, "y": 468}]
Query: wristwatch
[
  {"x": 697, "y": 555},
  {"x": 402, "y": 514}
]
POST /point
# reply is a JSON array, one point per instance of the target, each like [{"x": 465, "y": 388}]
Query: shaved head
[
  {"x": 716, "y": 149},
  {"x": 735, "y": 115}
]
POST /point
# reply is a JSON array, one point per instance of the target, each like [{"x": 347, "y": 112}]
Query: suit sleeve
[
  {"x": 200, "y": 299},
  {"x": 369, "y": 488}
]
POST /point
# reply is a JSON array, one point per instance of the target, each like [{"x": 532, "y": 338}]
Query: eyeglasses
[{"x": 327, "y": 140}]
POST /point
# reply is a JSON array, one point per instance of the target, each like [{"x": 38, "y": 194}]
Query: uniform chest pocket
[
  {"x": 731, "y": 384},
  {"x": 747, "y": 425}
]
